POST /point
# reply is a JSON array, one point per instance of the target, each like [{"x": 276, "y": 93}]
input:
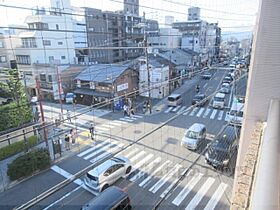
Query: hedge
[
  {"x": 17, "y": 147},
  {"x": 27, "y": 164}
]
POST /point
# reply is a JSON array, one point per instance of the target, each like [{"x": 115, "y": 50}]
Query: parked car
[
  {"x": 194, "y": 136},
  {"x": 227, "y": 79},
  {"x": 69, "y": 98},
  {"x": 223, "y": 148},
  {"x": 198, "y": 98},
  {"x": 206, "y": 75},
  {"x": 107, "y": 173},
  {"x": 113, "y": 198},
  {"x": 225, "y": 88}
]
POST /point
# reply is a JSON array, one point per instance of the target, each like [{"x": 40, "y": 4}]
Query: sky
[{"x": 233, "y": 16}]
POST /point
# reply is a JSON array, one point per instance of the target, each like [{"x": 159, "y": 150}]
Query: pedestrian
[
  {"x": 125, "y": 110},
  {"x": 132, "y": 111},
  {"x": 68, "y": 116},
  {"x": 197, "y": 88},
  {"x": 73, "y": 134},
  {"x": 91, "y": 131},
  {"x": 67, "y": 142},
  {"x": 149, "y": 107}
]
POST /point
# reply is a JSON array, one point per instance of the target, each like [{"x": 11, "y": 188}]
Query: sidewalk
[{"x": 185, "y": 87}]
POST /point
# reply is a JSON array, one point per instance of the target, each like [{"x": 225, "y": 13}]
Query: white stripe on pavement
[
  {"x": 146, "y": 170},
  {"x": 206, "y": 113},
  {"x": 107, "y": 126},
  {"x": 115, "y": 123},
  {"x": 186, "y": 112},
  {"x": 131, "y": 153},
  {"x": 127, "y": 120},
  {"x": 106, "y": 154},
  {"x": 168, "y": 110},
  {"x": 145, "y": 181},
  {"x": 220, "y": 116},
  {"x": 213, "y": 114},
  {"x": 181, "y": 110},
  {"x": 164, "y": 179},
  {"x": 112, "y": 143},
  {"x": 176, "y": 108},
  {"x": 130, "y": 118},
  {"x": 137, "y": 116},
  {"x": 194, "y": 111},
  {"x": 137, "y": 156},
  {"x": 101, "y": 128},
  {"x": 142, "y": 162},
  {"x": 200, "y": 112},
  {"x": 216, "y": 197},
  {"x": 93, "y": 148},
  {"x": 187, "y": 189},
  {"x": 65, "y": 174},
  {"x": 118, "y": 121},
  {"x": 73, "y": 126},
  {"x": 200, "y": 194}
]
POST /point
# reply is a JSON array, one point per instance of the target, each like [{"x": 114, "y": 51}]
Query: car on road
[
  {"x": 199, "y": 99},
  {"x": 194, "y": 136},
  {"x": 219, "y": 101},
  {"x": 220, "y": 152},
  {"x": 113, "y": 198},
  {"x": 206, "y": 75},
  {"x": 174, "y": 100},
  {"x": 227, "y": 79},
  {"x": 225, "y": 88},
  {"x": 107, "y": 173},
  {"x": 69, "y": 98},
  {"x": 235, "y": 115}
]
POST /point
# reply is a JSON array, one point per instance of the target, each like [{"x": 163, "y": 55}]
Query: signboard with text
[{"x": 122, "y": 87}]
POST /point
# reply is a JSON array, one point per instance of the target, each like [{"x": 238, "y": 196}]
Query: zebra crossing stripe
[
  {"x": 106, "y": 154},
  {"x": 127, "y": 120},
  {"x": 145, "y": 181},
  {"x": 187, "y": 189},
  {"x": 131, "y": 117},
  {"x": 101, "y": 128},
  {"x": 113, "y": 143},
  {"x": 176, "y": 108},
  {"x": 220, "y": 116},
  {"x": 206, "y": 113},
  {"x": 181, "y": 110},
  {"x": 137, "y": 116},
  {"x": 142, "y": 162},
  {"x": 186, "y": 112},
  {"x": 130, "y": 153},
  {"x": 138, "y": 156},
  {"x": 65, "y": 174},
  {"x": 213, "y": 114},
  {"x": 164, "y": 179},
  {"x": 118, "y": 121},
  {"x": 107, "y": 126},
  {"x": 115, "y": 123},
  {"x": 200, "y": 112},
  {"x": 199, "y": 195},
  {"x": 168, "y": 110},
  {"x": 93, "y": 148},
  {"x": 194, "y": 111},
  {"x": 148, "y": 169},
  {"x": 216, "y": 197}
]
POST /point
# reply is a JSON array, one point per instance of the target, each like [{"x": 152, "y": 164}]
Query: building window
[
  {"x": 51, "y": 59},
  {"x": 23, "y": 59},
  {"x": 1, "y": 44},
  {"x": 43, "y": 77},
  {"x": 50, "y": 78},
  {"x": 28, "y": 42},
  {"x": 47, "y": 42},
  {"x": 60, "y": 43},
  {"x": 3, "y": 59},
  {"x": 63, "y": 57},
  {"x": 57, "y": 27}
]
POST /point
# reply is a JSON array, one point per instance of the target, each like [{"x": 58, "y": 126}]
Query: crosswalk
[
  {"x": 201, "y": 112},
  {"x": 157, "y": 176}
]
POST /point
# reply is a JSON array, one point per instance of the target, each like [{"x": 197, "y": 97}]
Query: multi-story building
[
  {"x": 131, "y": 7},
  {"x": 165, "y": 38},
  {"x": 193, "y": 13},
  {"x": 168, "y": 21}
]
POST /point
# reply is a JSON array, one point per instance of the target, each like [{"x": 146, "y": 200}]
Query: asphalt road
[{"x": 159, "y": 159}]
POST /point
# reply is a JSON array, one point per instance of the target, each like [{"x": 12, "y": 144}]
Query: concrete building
[
  {"x": 131, "y": 7},
  {"x": 193, "y": 13},
  {"x": 168, "y": 20},
  {"x": 168, "y": 38}
]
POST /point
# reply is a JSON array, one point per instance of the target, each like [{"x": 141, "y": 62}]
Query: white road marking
[
  {"x": 137, "y": 156},
  {"x": 115, "y": 123},
  {"x": 204, "y": 86},
  {"x": 127, "y": 120},
  {"x": 112, "y": 143},
  {"x": 194, "y": 111},
  {"x": 164, "y": 179},
  {"x": 213, "y": 113},
  {"x": 168, "y": 110},
  {"x": 107, "y": 126},
  {"x": 137, "y": 116},
  {"x": 216, "y": 197},
  {"x": 206, "y": 112},
  {"x": 118, "y": 121},
  {"x": 200, "y": 112},
  {"x": 130, "y": 118},
  {"x": 181, "y": 110},
  {"x": 142, "y": 162},
  {"x": 220, "y": 116},
  {"x": 176, "y": 108},
  {"x": 186, "y": 112},
  {"x": 130, "y": 153},
  {"x": 93, "y": 148},
  {"x": 145, "y": 181},
  {"x": 200, "y": 194},
  {"x": 65, "y": 174},
  {"x": 147, "y": 169},
  {"x": 187, "y": 189},
  {"x": 105, "y": 154},
  {"x": 101, "y": 128},
  {"x": 73, "y": 126}
]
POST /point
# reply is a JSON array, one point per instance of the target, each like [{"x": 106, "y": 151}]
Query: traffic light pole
[{"x": 59, "y": 90}]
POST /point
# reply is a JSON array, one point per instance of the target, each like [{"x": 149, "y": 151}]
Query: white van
[
  {"x": 194, "y": 136},
  {"x": 174, "y": 100},
  {"x": 69, "y": 99},
  {"x": 219, "y": 101},
  {"x": 235, "y": 115}
]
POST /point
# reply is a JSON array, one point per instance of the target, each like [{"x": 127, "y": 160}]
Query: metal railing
[{"x": 265, "y": 193}]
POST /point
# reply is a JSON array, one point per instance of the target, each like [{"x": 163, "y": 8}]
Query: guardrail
[{"x": 265, "y": 193}]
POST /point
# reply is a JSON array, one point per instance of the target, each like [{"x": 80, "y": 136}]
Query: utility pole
[
  {"x": 59, "y": 89},
  {"x": 147, "y": 65},
  {"x": 38, "y": 87}
]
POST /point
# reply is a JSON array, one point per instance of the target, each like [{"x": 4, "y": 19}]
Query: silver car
[
  {"x": 107, "y": 173},
  {"x": 194, "y": 136}
]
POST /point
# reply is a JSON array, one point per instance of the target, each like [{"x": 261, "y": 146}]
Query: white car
[
  {"x": 225, "y": 88},
  {"x": 107, "y": 173}
]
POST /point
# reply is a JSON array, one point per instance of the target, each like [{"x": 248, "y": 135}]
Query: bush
[
  {"x": 17, "y": 147},
  {"x": 27, "y": 164}
]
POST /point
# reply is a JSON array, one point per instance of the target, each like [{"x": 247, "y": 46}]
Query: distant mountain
[{"x": 226, "y": 35}]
